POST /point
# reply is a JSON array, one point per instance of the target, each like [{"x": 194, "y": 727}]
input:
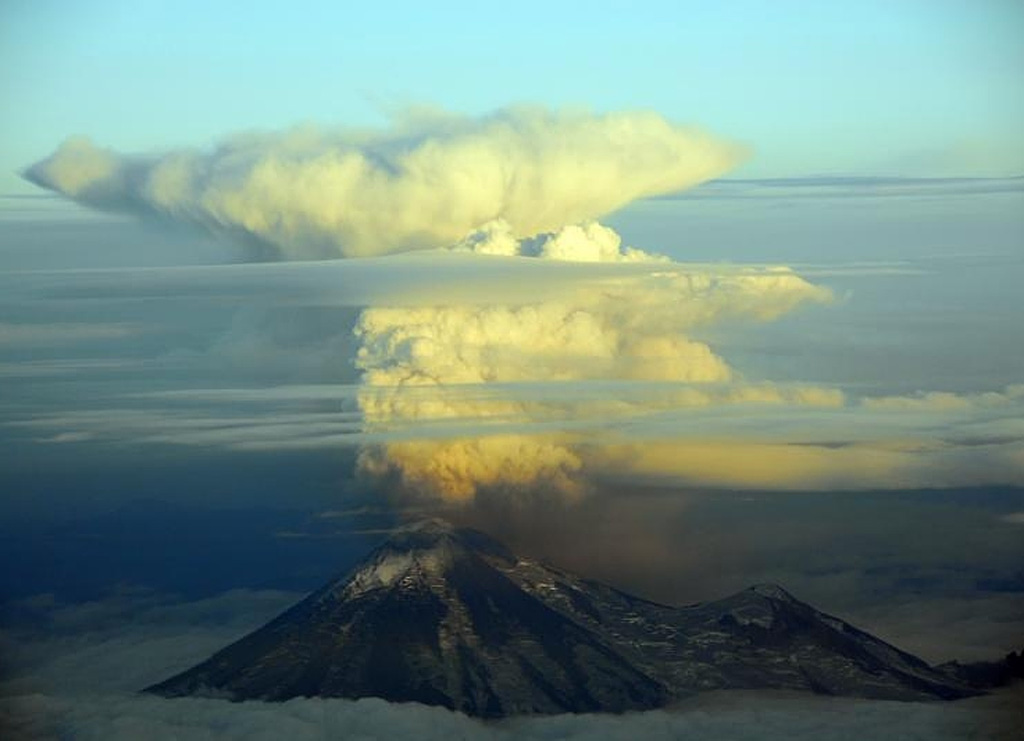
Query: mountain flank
[{"x": 447, "y": 616}]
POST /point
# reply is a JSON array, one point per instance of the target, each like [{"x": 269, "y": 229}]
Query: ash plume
[
  {"x": 417, "y": 364},
  {"x": 424, "y": 182}
]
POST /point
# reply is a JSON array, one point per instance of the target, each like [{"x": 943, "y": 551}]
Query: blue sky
[{"x": 896, "y": 88}]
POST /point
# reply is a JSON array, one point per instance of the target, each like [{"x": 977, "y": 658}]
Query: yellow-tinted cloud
[
  {"x": 944, "y": 401},
  {"x": 585, "y": 242},
  {"x": 423, "y": 364},
  {"x": 458, "y": 469},
  {"x": 753, "y": 464},
  {"x": 425, "y": 182}
]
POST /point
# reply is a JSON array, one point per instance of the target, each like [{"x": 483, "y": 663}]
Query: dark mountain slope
[{"x": 449, "y": 617}]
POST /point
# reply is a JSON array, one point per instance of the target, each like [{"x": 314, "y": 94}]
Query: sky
[
  {"x": 679, "y": 297},
  {"x": 914, "y": 87}
]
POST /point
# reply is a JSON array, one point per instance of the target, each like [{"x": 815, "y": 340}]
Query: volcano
[{"x": 447, "y": 616}]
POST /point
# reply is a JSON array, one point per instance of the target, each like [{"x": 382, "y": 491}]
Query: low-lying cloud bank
[
  {"x": 80, "y": 678},
  {"x": 733, "y": 716},
  {"x": 425, "y": 182}
]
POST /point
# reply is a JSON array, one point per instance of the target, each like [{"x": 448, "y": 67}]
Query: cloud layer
[
  {"x": 427, "y": 181},
  {"x": 738, "y": 716},
  {"x": 529, "y": 350},
  {"x": 632, "y": 328}
]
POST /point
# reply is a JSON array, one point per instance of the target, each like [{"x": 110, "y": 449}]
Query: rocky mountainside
[{"x": 449, "y": 617}]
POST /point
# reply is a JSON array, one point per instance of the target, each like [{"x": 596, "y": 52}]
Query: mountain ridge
[{"x": 448, "y": 616}]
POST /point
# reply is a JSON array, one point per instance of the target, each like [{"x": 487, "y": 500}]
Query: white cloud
[
  {"x": 425, "y": 182},
  {"x": 482, "y": 364},
  {"x": 585, "y": 242},
  {"x": 66, "y": 367},
  {"x": 724, "y": 716},
  {"x": 42, "y": 335},
  {"x": 855, "y": 187},
  {"x": 944, "y": 401},
  {"x": 128, "y": 640}
]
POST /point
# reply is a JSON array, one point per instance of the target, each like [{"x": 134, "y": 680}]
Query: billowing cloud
[
  {"x": 529, "y": 349},
  {"x": 458, "y": 469},
  {"x": 632, "y": 328},
  {"x": 427, "y": 181},
  {"x": 585, "y": 242}
]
